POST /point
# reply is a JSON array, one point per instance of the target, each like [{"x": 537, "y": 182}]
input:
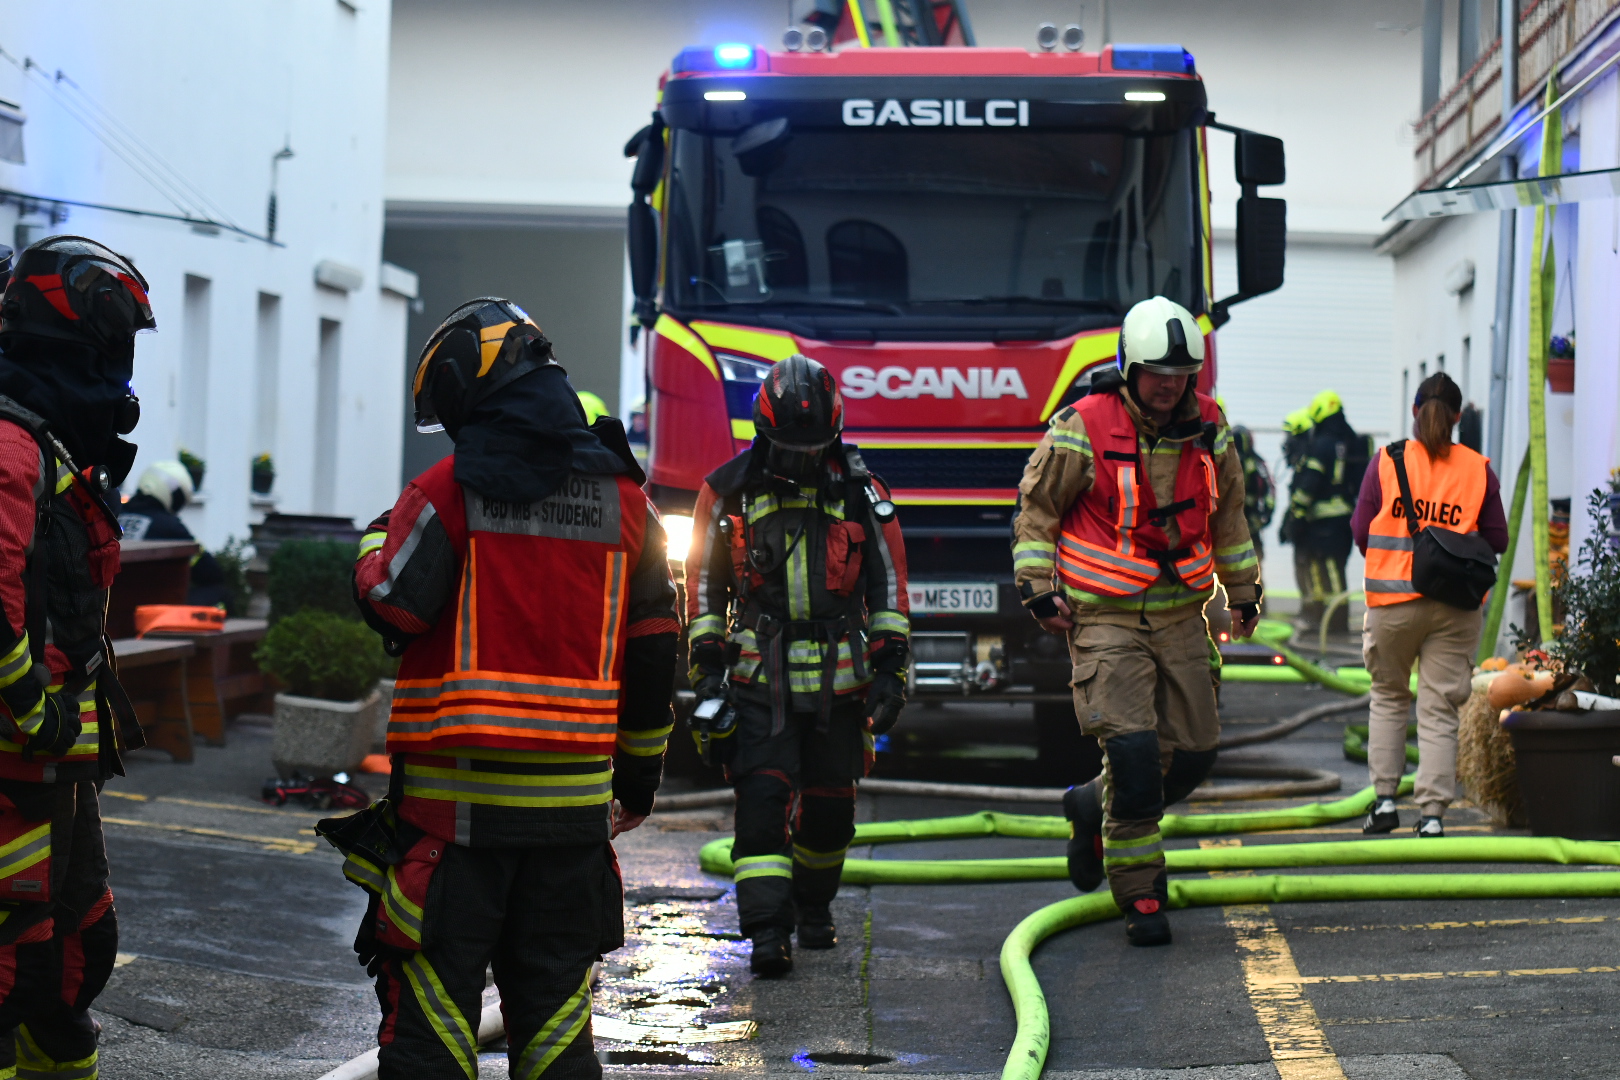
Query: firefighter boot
[
  {"x": 816, "y": 929},
  {"x": 773, "y": 954},
  {"x": 1082, "y": 805},
  {"x": 1145, "y": 922}
]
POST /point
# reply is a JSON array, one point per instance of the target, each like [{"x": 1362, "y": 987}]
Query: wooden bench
[
  {"x": 153, "y": 673},
  {"x": 224, "y": 675},
  {"x": 150, "y": 572}
]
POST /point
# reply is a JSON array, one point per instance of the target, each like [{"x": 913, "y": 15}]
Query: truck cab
[{"x": 956, "y": 233}]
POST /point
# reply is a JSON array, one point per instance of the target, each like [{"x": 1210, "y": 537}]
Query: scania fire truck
[{"x": 956, "y": 233}]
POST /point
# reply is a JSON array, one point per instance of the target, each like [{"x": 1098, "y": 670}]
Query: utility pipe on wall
[{"x": 1502, "y": 320}]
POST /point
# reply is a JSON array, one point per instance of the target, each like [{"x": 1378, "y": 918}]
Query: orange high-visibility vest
[
  {"x": 1447, "y": 492},
  {"x": 532, "y": 654},
  {"x": 1113, "y": 541}
]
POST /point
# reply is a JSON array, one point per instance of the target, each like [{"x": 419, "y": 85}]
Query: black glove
[
  {"x": 884, "y": 700},
  {"x": 57, "y": 732},
  {"x": 708, "y": 669}
]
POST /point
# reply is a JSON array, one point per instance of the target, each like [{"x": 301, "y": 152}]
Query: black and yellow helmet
[{"x": 480, "y": 347}]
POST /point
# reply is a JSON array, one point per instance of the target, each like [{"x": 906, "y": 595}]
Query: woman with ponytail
[{"x": 1452, "y": 488}]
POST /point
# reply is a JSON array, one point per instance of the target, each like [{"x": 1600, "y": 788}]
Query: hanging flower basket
[{"x": 1561, "y": 365}]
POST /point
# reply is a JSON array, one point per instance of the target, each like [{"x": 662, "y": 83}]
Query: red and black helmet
[
  {"x": 72, "y": 289},
  {"x": 799, "y": 407},
  {"x": 480, "y": 347}
]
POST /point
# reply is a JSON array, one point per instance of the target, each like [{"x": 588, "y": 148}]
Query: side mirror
[
  {"x": 642, "y": 239},
  {"x": 759, "y": 149},
  {"x": 1262, "y": 224},
  {"x": 1259, "y": 159},
  {"x": 641, "y": 234},
  {"x": 1262, "y": 244}
]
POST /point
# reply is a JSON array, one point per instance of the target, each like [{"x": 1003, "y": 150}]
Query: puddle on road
[
  {"x": 807, "y": 1059},
  {"x": 665, "y": 987}
]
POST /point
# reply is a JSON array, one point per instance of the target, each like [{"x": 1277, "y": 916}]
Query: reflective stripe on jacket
[
  {"x": 482, "y": 676},
  {"x": 1113, "y": 541},
  {"x": 1447, "y": 492}
]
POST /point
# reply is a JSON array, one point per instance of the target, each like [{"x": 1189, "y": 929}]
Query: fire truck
[{"x": 956, "y": 233}]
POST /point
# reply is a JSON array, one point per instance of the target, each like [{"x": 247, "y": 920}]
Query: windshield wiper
[
  {"x": 852, "y": 302},
  {"x": 1039, "y": 301}
]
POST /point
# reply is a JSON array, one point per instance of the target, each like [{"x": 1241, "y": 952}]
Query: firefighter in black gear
[
  {"x": 1259, "y": 490},
  {"x": 68, "y": 322},
  {"x": 1327, "y": 479},
  {"x": 799, "y": 624}
]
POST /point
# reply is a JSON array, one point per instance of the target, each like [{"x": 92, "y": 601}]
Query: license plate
[{"x": 954, "y": 597}]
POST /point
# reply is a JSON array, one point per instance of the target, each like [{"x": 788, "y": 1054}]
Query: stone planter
[
  {"x": 320, "y": 738},
  {"x": 1569, "y": 772}
]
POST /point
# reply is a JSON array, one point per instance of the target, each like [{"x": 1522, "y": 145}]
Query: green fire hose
[{"x": 1028, "y": 1054}]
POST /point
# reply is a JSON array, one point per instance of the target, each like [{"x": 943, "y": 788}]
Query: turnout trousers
[
  {"x": 795, "y": 810},
  {"x": 55, "y": 956},
  {"x": 541, "y": 916},
  {"x": 1148, "y": 697}
]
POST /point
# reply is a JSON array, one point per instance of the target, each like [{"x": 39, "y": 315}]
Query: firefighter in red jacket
[
  {"x": 68, "y": 322},
  {"x": 796, "y": 591},
  {"x": 525, "y": 580}
]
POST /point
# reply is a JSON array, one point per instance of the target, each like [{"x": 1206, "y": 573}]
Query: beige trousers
[{"x": 1442, "y": 639}]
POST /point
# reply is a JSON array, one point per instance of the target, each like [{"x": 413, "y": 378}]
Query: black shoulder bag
[{"x": 1452, "y": 567}]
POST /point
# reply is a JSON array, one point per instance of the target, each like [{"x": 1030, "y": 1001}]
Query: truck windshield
[{"x": 941, "y": 223}]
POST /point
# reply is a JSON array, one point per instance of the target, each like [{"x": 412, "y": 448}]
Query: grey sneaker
[
  {"x": 1382, "y": 818},
  {"x": 1429, "y": 826}
]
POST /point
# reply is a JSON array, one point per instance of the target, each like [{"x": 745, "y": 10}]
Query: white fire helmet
[{"x": 1161, "y": 336}]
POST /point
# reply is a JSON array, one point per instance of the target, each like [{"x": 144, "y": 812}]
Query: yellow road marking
[
  {"x": 1299, "y": 1047},
  {"x": 1426, "y": 976},
  {"x": 199, "y": 803},
  {"x": 271, "y": 843},
  {"x": 1477, "y": 924},
  {"x": 124, "y": 958}
]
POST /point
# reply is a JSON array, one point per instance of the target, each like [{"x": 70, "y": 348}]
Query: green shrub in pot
[
  {"x": 319, "y": 654},
  {"x": 314, "y": 574},
  {"x": 1590, "y": 599}
]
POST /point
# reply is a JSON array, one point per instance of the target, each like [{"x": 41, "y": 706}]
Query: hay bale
[{"x": 1486, "y": 765}]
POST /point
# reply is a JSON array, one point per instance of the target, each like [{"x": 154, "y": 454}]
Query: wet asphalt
[{"x": 236, "y": 923}]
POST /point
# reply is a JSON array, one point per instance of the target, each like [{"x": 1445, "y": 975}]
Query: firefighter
[
  {"x": 1259, "y": 490},
  {"x": 525, "y": 581},
  {"x": 799, "y": 623},
  {"x": 1327, "y": 478},
  {"x": 1123, "y": 568},
  {"x": 153, "y": 513},
  {"x": 68, "y": 322}
]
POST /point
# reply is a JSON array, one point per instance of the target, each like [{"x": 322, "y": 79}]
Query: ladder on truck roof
[{"x": 894, "y": 23}]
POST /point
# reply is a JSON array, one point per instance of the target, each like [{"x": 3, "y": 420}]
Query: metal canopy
[{"x": 1508, "y": 195}]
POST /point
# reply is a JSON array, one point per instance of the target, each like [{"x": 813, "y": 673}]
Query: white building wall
[
  {"x": 1596, "y": 401},
  {"x": 215, "y": 90}
]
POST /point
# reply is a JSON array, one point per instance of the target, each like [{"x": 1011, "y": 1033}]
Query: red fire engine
[{"x": 956, "y": 233}]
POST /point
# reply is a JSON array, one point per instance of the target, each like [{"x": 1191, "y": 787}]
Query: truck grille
[{"x": 972, "y": 468}]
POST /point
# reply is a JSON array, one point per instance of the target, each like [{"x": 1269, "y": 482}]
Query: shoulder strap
[{"x": 1397, "y": 454}]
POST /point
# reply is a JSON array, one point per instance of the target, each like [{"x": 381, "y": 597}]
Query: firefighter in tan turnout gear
[{"x": 1123, "y": 568}]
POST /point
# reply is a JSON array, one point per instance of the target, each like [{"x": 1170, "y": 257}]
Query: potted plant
[
  {"x": 1566, "y": 748},
  {"x": 1561, "y": 364},
  {"x": 329, "y": 666},
  {"x": 195, "y": 465},
  {"x": 264, "y": 474}
]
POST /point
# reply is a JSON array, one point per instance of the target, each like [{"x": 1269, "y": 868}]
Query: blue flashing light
[
  {"x": 733, "y": 56},
  {"x": 1172, "y": 59}
]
